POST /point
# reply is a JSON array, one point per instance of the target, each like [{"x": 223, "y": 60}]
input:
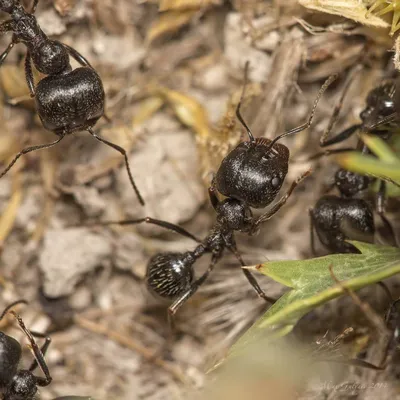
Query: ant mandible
[
  {"x": 171, "y": 275},
  {"x": 66, "y": 100},
  {"x": 339, "y": 218}
]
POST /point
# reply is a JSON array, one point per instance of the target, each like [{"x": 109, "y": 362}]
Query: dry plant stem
[
  {"x": 131, "y": 344},
  {"x": 287, "y": 60}
]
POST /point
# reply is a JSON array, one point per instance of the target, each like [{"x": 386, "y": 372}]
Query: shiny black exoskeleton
[
  {"x": 171, "y": 275},
  {"x": 255, "y": 170},
  {"x": 21, "y": 384},
  {"x": 251, "y": 175},
  {"x": 337, "y": 219},
  {"x": 66, "y": 100}
]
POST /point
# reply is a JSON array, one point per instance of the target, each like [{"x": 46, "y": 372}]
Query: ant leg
[
  {"x": 43, "y": 349},
  {"x": 28, "y": 150},
  {"x": 178, "y": 303},
  {"x": 252, "y": 280},
  {"x": 213, "y": 196},
  {"x": 77, "y": 56},
  {"x": 312, "y": 241},
  {"x": 123, "y": 152},
  {"x": 380, "y": 209},
  {"x": 238, "y": 114},
  {"x": 340, "y": 137},
  {"x": 7, "y": 309},
  {"x": 375, "y": 321},
  {"x": 29, "y": 74},
  {"x": 5, "y": 53},
  {"x": 148, "y": 220},
  {"x": 308, "y": 123},
  {"x": 343, "y": 135},
  {"x": 277, "y": 206},
  {"x": 36, "y": 352}
]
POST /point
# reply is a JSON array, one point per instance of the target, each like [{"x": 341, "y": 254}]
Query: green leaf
[{"x": 312, "y": 283}]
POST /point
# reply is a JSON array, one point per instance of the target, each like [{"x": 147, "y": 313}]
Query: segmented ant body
[
  {"x": 21, "y": 384},
  {"x": 66, "y": 100},
  {"x": 249, "y": 174},
  {"x": 339, "y": 218}
]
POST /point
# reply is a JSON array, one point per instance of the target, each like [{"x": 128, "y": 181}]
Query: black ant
[
  {"x": 21, "y": 384},
  {"x": 263, "y": 165},
  {"x": 66, "y": 100},
  {"x": 335, "y": 218}
]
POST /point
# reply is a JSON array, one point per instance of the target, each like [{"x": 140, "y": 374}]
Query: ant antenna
[
  {"x": 7, "y": 309},
  {"x": 307, "y": 124},
  {"x": 238, "y": 115}
]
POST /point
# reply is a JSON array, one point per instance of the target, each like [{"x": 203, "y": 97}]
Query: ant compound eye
[{"x": 276, "y": 182}]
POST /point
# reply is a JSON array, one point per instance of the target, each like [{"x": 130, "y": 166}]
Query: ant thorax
[{"x": 253, "y": 172}]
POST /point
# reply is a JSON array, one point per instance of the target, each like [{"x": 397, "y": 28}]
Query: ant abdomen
[
  {"x": 76, "y": 107},
  {"x": 253, "y": 172},
  {"x": 337, "y": 219},
  {"x": 10, "y": 351},
  {"x": 170, "y": 274}
]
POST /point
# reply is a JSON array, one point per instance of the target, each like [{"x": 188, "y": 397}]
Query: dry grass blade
[
  {"x": 169, "y": 22},
  {"x": 9, "y": 214},
  {"x": 166, "y": 5}
]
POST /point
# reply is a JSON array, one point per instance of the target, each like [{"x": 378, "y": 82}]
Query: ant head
[
  {"x": 10, "y": 351},
  {"x": 253, "y": 172},
  {"x": 170, "y": 274},
  {"x": 8, "y": 6},
  {"x": 51, "y": 58},
  {"x": 234, "y": 215},
  {"x": 349, "y": 183},
  {"x": 23, "y": 386},
  {"x": 381, "y": 102}
]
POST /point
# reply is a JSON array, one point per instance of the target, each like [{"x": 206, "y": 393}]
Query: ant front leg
[
  {"x": 123, "y": 152},
  {"x": 77, "y": 56},
  {"x": 181, "y": 300},
  {"x": 380, "y": 209},
  {"x": 277, "y": 206},
  {"x": 7, "y": 26},
  {"x": 37, "y": 353},
  {"x": 252, "y": 280},
  {"x": 29, "y": 74},
  {"x": 153, "y": 221},
  {"x": 349, "y": 131}
]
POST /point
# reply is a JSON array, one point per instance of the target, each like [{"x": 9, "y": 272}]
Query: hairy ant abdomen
[
  {"x": 170, "y": 274},
  {"x": 337, "y": 219},
  {"x": 253, "y": 172},
  {"x": 76, "y": 107}
]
